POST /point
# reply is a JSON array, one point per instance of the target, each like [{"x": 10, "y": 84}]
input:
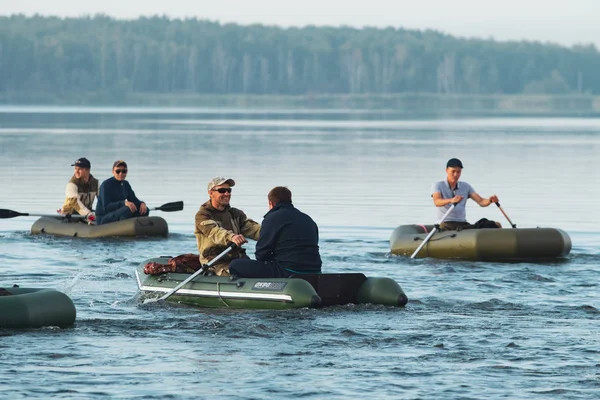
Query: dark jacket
[
  {"x": 112, "y": 196},
  {"x": 290, "y": 238}
]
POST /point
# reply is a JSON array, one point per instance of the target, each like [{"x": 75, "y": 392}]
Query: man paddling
[
  {"x": 117, "y": 200},
  {"x": 288, "y": 243},
  {"x": 217, "y": 224},
  {"x": 81, "y": 191},
  {"x": 449, "y": 191}
]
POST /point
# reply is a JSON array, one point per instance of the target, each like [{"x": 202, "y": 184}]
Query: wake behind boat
[
  {"x": 518, "y": 244},
  {"x": 271, "y": 293}
]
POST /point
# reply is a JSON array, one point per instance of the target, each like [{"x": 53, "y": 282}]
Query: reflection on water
[{"x": 507, "y": 330}]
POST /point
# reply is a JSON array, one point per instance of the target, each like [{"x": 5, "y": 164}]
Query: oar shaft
[
  {"x": 195, "y": 274},
  {"x": 12, "y": 214},
  {"x": 424, "y": 242},
  {"x": 506, "y": 216}
]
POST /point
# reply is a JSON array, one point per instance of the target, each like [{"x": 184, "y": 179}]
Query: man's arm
[
  {"x": 265, "y": 247},
  {"x": 250, "y": 228},
  {"x": 481, "y": 201},
  {"x": 139, "y": 204},
  {"x": 71, "y": 199},
  {"x": 72, "y": 193},
  {"x": 208, "y": 227},
  {"x": 131, "y": 196},
  {"x": 106, "y": 197},
  {"x": 441, "y": 202}
]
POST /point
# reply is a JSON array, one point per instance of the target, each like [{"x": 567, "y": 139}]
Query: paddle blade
[
  {"x": 168, "y": 207},
  {"x": 11, "y": 214}
]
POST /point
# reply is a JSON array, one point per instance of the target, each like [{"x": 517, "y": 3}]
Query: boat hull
[
  {"x": 521, "y": 244},
  {"x": 308, "y": 291},
  {"x": 140, "y": 226},
  {"x": 36, "y": 308}
]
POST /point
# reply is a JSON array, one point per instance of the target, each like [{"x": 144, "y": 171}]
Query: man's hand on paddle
[
  {"x": 239, "y": 240},
  {"x": 456, "y": 199}
]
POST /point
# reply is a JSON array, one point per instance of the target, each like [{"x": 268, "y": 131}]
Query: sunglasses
[
  {"x": 222, "y": 190},
  {"x": 118, "y": 171}
]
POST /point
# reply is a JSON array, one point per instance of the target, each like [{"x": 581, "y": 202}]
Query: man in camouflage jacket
[{"x": 218, "y": 224}]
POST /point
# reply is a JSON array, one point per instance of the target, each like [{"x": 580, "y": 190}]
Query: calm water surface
[{"x": 471, "y": 330}]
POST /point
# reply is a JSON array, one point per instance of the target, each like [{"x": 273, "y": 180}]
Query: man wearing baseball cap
[
  {"x": 81, "y": 191},
  {"x": 218, "y": 224},
  {"x": 449, "y": 191}
]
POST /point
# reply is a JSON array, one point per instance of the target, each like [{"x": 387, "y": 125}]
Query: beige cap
[{"x": 219, "y": 180}]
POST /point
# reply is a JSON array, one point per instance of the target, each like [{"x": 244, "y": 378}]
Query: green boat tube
[
  {"x": 35, "y": 308},
  {"x": 505, "y": 244},
  {"x": 299, "y": 291},
  {"x": 140, "y": 226}
]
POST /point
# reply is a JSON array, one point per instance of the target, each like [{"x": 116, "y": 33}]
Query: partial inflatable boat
[
  {"x": 504, "y": 244},
  {"x": 139, "y": 226},
  {"x": 35, "y": 308},
  {"x": 299, "y": 291}
]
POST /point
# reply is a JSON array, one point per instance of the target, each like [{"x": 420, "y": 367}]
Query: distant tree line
[{"x": 161, "y": 55}]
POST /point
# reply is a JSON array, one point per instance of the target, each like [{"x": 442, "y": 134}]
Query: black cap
[
  {"x": 82, "y": 163},
  {"x": 454, "y": 162}
]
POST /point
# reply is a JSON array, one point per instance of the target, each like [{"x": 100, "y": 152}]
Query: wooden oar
[
  {"x": 508, "y": 219},
  {"x": 435, "y": 227},
  {"x": 195, "y": 274},
  {"x": 168, "y": 207}
]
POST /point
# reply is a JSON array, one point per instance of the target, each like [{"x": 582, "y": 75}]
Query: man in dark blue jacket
[
  {"x": 288, "y": 243},
  {"x": 116, "y": 199}
]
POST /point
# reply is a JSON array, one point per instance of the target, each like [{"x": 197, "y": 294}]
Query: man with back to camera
[
  {"x": 449, "y": 191},
  {"x": 217, "y": 224},
  {"x": 117, "y": 200},
  {"x": 81, "y": 191},
  {"x": 288, "y": 242}
]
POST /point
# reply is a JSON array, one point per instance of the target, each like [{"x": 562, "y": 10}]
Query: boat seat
[{"x": 334, "y": 289}]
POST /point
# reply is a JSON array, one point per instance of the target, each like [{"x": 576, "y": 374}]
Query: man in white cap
[
  {"x": 218, "y": 224},
  {"x": 81, "y": 191},
  {"x": 449, "y": 191}
]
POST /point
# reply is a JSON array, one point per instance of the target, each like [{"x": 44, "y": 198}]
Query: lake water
[{"x": 471, "y": 330}]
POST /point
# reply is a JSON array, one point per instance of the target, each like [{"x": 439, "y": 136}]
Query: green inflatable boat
[
  {"x": 518, "y": 244},
  {"x": 140, "y": 226},
  {"x": 271, "y": 293},
  {"x": 35, "y": 308}
]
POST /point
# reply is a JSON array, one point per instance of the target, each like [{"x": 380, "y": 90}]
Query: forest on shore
[{"x": 102, "y": 60}]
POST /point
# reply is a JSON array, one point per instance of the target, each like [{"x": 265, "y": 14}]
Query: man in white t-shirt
[{"x": 449, "y": 191}]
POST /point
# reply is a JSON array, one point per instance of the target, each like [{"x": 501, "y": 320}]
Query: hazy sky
[{"x": 565, "y": 22}]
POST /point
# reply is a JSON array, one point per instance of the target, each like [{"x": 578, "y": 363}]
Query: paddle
[
  {"x": 168, "y": 207},
  {"x": 509, "y": 221},
  {"x": 12, "y": 214},
  {"x": 435, "y": 228},
  {"x": 195, "y": 274}
]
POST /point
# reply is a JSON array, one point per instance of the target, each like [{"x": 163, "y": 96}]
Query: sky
[{"x": 565, "y": 22}]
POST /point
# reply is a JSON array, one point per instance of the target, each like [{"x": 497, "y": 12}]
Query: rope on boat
[{"x": 219, "y": 293}]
